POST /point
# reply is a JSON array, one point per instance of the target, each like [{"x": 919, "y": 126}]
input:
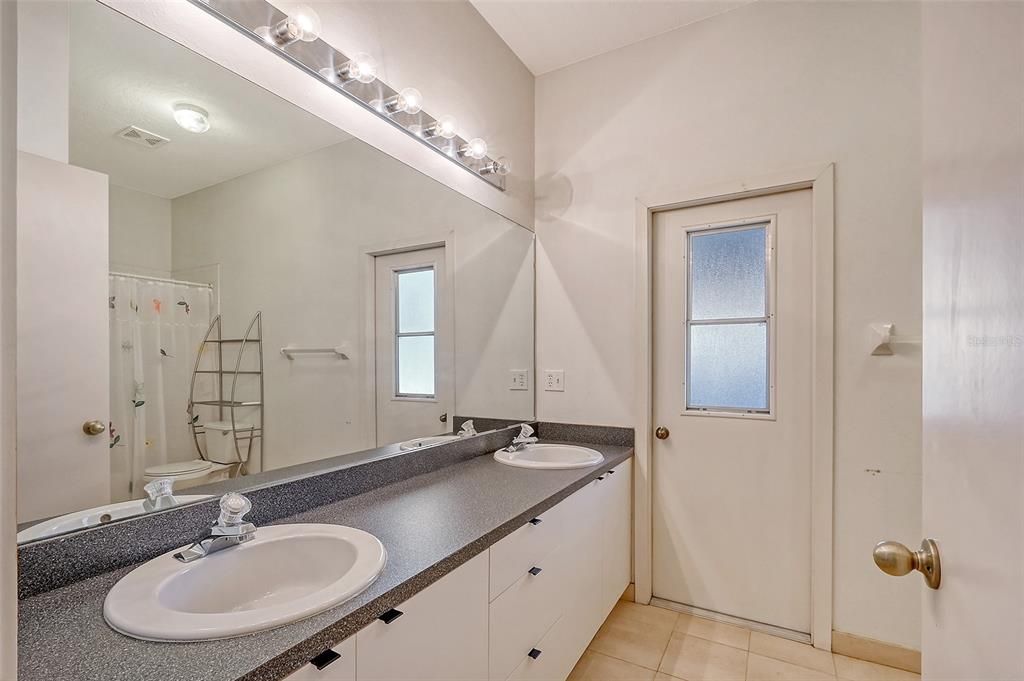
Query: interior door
[
  {"x": 63, "y": 332},
  {"x": 414, "y": 348},
  {"x": 732, "y": 386},
  {"x": 973, "y": 354}
]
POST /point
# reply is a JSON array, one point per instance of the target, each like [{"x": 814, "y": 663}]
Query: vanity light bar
[{"x": 295, "y": 37}]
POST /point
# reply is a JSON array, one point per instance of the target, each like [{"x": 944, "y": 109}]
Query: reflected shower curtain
[{"x": 155, "y": 331}]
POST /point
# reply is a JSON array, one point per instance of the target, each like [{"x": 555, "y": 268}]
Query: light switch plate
[
  {"x": 520, "y": 379},
  {"x": 554, "y": 380}
]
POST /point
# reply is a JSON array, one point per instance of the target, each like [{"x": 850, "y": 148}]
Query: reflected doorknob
[
  {"x": 93, "y": 427},
  {"x": 661, "y": 433},
  {"x": 893, "y": 558},
  {"x": 443, "y": 418}
]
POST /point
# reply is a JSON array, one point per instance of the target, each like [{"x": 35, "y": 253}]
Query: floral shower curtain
[{"x": 155, "y": 331}]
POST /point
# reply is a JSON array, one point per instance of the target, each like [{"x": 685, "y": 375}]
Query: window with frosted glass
[
  {"x": 414, "y": 332},
  {"x": 727, "y": 320}
]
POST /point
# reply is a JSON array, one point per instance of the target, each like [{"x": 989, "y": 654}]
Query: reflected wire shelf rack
[{"x": 226, "y": 397}]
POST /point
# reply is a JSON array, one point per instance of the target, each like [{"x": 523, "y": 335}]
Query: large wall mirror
[{"x": 220, "y": 284}]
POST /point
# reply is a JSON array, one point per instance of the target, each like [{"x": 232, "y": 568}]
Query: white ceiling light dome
[{"x": 192, "y": 118}]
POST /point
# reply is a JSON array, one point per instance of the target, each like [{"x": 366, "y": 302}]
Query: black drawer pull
[
  {"x": 610, "y": 472},
  {"x": 534, "y": 653},
  {"x": 534, "y": 571},
  {"x": 600, "y": 477},
  {"x": 536, "y": 521},
  {"x": 390, "y": 616},
  {"x": 325, "y": 658}
]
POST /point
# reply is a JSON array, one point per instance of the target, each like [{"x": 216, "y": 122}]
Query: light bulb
[
  {"x": 192, "y": 118},
  {"x": 474, "y": 148},
  {"x": 361, "y": 67},
  {"x": 409, "y": 101},
  {"x": 499, "y": 166},
  {"x": 443, "y": 127},
  {"x": 303, "y": 23}
]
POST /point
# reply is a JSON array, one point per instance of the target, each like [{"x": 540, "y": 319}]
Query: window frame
[
  {"x": 396, "y": 273},
  {"x": 769, "y": 223}
]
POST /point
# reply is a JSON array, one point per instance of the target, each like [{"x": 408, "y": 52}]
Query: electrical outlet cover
[
  {"x": 554, "y": 380},
  {"x": 520, "y": 379}
]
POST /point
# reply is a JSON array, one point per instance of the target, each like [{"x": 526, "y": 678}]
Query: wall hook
[{"x": 883, "y": 338}]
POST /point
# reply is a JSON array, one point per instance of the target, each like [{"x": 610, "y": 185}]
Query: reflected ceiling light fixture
[
  {"x": 409, "y": 101},
  {"x": 303, "y": 23},
  {"x": 191, "y": 117},
  {"x": 275, "y": 29},
  {"x": 474, "y": 148}
]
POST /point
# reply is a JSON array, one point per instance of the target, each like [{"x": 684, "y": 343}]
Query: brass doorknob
[
  {"x": 893, "y": 558},
  {"x": 93, "y": 427},
  {"x": 661, "y": 433}
]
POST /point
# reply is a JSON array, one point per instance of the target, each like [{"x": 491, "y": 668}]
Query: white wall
[
  {"x": 140, "y": 233},
  {"x": 290, "y": 241},
  {"x": 44, "y": 74},
  {"x": 766, "y": 87},
  {"x": 445, "y": 49},
  {"x": 8, "y": 341}
]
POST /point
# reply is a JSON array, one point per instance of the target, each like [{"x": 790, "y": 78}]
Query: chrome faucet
[
  {"x": 519, "y": 442},
  {"x": 228, "y": 531}
]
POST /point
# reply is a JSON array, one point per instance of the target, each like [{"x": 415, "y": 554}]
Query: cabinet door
[
  {"x": 617, "y": 495},
  {"x": 441, "y": 634},
  {"x": 341, "y": 668}
]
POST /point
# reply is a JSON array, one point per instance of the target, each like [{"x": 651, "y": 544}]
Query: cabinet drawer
[
  {"x": 553, "y": 657},
  {"x": 518, "y": 552},
  {"x": 342, "y": 668},
  {"x": 441, "y": 634},
  {"x": 617, "y": 505},
  {"x": 523, "y": 612}
]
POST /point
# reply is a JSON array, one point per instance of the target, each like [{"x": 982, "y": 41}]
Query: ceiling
[
  {"x": 125, "y": 74},
  {"x": 549, "y": 34}
]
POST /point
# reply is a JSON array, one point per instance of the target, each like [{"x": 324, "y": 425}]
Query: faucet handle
[
  {"x": 160, "y": 487},
  {"x": 232, "y": 507},
  {"x": 525, "y": 431}
]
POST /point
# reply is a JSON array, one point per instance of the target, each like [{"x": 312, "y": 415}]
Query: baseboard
[
  {"x": 629, "y": 594},
  {"x": 879, "y": 652}
]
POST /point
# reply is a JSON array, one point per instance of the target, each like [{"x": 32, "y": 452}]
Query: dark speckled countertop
[{"x": 430, "y": 524}]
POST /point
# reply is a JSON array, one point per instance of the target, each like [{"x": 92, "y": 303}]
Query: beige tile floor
[{"x": 645, "y": 643}]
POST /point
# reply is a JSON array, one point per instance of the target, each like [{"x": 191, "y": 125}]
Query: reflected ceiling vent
[{"x": 144, "y": 138}]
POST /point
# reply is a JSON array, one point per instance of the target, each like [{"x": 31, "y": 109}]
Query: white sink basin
[
  {"x": 550, "y": 457},
  {"x": 427, "y": 441},
  {"x": 286, "y": 573},
  {"x": 91, "y": 517}
]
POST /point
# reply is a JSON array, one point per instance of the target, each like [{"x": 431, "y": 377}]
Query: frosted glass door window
[
  {"x": 727, "y": 271},
  {"x": 727, "y": 336},
  {"x": 414, "y": 333}
]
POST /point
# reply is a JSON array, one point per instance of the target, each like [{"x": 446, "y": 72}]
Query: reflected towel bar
[{"x": 291, "y": 353}]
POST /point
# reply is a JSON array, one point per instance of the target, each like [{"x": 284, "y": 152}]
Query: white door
[
  {"x": 63, "y": 331},
  {"x": 973, "y": 355},
  {"x": 732, "y": 385},
  {"x": 414, "y": 355}
]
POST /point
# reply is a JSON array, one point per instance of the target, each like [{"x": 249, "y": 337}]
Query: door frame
[
  {"x": 820, "y": 179},
  {"x": 370, "y": 253}
]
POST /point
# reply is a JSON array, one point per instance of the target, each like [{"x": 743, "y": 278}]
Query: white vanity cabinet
[
  {"x": 524, "y": 610},
  {"x": 441, "y": 634},
  {"x": 326, "y": 667},
  {"x": 540, "y": 626}
]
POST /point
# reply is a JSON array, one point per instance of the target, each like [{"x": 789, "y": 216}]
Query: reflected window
[
  {"x": 415, "y": 359},
  {"x": 728, "y": 358}
]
